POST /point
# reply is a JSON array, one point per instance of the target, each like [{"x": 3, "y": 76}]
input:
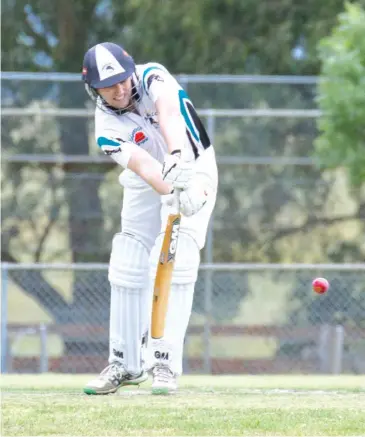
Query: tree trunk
[{"x": 86, "y": 223}]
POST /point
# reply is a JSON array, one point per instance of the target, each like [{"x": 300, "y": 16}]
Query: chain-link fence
[{"x": 246, "y": 319}]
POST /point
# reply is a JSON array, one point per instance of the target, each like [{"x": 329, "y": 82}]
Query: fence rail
[
  {"x": 215, "y": 113},
  {"x": 276, "y": 341},
  {"x": 203, "y": 266},
  {"x": 103, "y": 159},
  {"x": 183, "y": 78}
]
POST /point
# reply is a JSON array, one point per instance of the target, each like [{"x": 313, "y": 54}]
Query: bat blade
[{"x": 165, "y": 267}]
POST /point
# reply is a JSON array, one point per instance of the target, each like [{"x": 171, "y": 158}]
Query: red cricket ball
[{"x": 320, "y": 285}]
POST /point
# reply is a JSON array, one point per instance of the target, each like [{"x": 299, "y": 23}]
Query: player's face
[{"x": 118, "y": 95}]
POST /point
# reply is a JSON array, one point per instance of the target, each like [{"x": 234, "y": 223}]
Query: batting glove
[
  {"x": 176, "y": 172},
  {"x": 192, "y": 200}
]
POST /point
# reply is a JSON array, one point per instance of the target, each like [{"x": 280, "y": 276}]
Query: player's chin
[{"x": 120, "y": 104}]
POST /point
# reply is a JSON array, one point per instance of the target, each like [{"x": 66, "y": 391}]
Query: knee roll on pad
[
  {"x": 128, "y": 266},
  {"x": 187, "y": 259}
]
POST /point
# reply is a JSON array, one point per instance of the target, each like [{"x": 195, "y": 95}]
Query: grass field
[{"x": 54, "y": 404}]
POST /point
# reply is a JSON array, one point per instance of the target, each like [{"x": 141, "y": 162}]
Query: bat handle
[{"x": 176, "y": 202}]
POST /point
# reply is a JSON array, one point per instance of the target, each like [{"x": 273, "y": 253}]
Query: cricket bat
[{"x": 165, "y": 267}]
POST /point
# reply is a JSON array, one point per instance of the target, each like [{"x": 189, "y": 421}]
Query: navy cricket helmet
[{"x": 105, "y": 65}]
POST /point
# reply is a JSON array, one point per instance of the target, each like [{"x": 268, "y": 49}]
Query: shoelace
[
  {"x": 163, "y": 373},
  {"x": 114, "y": 370}
]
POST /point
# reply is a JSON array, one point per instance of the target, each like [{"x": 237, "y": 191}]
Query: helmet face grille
[
  {"x": 104, "y": 106},
  {"x": 91, "y": 92}
]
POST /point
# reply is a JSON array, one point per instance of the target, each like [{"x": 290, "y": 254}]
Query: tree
[
  {"x": 341, "y": 142},
  {"x": 221, "y": 36},
  {"x": 53, "y": 36},
  {"x": 226, "y": 36}
]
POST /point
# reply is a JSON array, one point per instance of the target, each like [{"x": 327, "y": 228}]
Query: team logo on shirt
[
  {"x": 150, "y": 117},
  {"x": 138, "y": 136},
  {"x": 153, "y": 77}
]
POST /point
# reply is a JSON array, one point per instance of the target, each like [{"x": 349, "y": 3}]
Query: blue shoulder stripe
[
  {"x": 183, "y": 97},
  {"x": 103, "y": 141}
]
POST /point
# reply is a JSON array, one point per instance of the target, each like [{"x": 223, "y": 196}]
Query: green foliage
[
  {"x": 342, "y": 96},
  {"x": 220, "y": 36}
]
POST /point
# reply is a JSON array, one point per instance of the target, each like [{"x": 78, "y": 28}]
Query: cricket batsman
[{"x": 146, "y": 122}]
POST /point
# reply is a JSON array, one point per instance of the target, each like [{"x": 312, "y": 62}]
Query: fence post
[
  {"x": 331, "y": 340},
  {"x": 208, "y": 278},
  {"x": 323, "y": 343},
  {"x": 208, "y": 291},
  {"x": 43, "y": 359},
  {"x": 337, "y": 349},
  {"x": 4, "y": 318}
]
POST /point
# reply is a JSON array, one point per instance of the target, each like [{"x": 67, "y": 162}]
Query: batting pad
[
  {"x": 169, "y": 349},
  {"x": 128, "y": 266},
  {"x": 129, "y": 317}
]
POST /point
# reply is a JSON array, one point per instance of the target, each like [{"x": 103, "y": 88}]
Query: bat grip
[{"x": 176, "y": 202}]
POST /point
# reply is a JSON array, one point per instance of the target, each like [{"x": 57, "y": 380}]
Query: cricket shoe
[
  {"x": 164, "y": 381},
  {"x": 112, "y": 378}
]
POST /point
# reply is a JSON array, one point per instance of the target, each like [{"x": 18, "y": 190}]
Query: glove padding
[
  {"x": 176, "y": 172},
  {"x": 192, "y": 200}
]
